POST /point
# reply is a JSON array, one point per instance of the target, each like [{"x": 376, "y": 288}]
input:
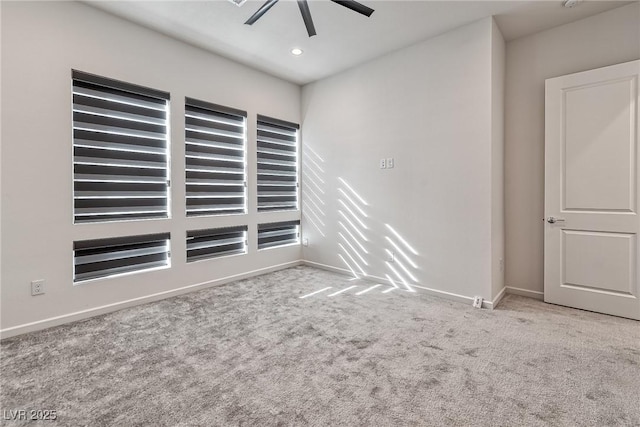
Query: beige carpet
[{"x": 255, "y": 353}]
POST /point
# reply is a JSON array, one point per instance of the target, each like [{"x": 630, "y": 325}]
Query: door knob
[{"x": 553, "y": 220}]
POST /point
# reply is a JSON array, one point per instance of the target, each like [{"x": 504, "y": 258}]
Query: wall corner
[{"x": 498, "y": 48}]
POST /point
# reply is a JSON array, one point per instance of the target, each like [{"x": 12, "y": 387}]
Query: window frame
[
  {"x": 273, "y": 226},
  {"x": 94, "y": 245},
  {"x": 286, "y": 126},
  {"x": 219, "y": 231},
  {"x": 123, "y": 143}
]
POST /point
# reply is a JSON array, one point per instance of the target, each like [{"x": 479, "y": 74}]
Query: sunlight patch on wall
[
  {"x": 313, "y": 203},
  {"x": 401, "y": 260},
  {"x": 353, "y": 228},
  {"x": 390, "y": 279}
]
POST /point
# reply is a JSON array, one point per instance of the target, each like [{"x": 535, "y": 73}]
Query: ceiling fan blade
[
  {"x": 263, "y": 9},
  {"x": 306, "y": 17},
  {"x": 355, "y": 6}
]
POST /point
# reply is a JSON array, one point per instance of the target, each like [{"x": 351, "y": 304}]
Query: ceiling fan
[{"x": 306, "y": 13}]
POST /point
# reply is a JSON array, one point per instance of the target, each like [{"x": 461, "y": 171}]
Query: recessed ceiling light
[
  {"x": 238, "y": 2},
  {"x": 296, "y": 51},
  {"x": 571, "y": 3}
]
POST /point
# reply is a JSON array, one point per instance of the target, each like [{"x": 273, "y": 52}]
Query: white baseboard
[
  {"x": 499, "y": 297},
  {"x": 525, "y": 293},
  {"x": 85, "y": 314},
  {"x": 331, "y": 268},
  {"x": 435, "y": 292}
]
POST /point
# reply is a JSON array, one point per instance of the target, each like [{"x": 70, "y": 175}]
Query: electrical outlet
[
  {"x": 477, "y": 302},
  {"x": 37, "y": 287},
  {"x": 501, "y": 265},
  {"x": 390, "y": 163},
  {"x": 305, "y": 242},
  {"x": 391, "y": 256},
  {"x": 383, "y": 163}
]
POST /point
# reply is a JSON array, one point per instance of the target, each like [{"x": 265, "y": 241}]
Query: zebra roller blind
[
  {"x": 94, "y": 259},
  {"x": 278, "y": 234},
  {"x": 120, "y": 156},
  {"x": 277, "y": 165},
  {"x": 215, "y": 159},
  {"x": 213, "y": 243}
]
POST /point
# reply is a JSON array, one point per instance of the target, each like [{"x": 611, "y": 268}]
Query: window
[
  {"x": 215, "y": 159},
  {"x": 277, "y": 165},
  {"x": 120, "y": 150},
  {"x": 204, "y": 244},
  {"x": 93, "y": 259},
  {"x": 278, "y": 234}
]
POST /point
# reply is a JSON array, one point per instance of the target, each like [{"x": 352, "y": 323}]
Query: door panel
[
  {"x": 591, "y": 188},
  {"x": 599, "y": 261},
  {"x": 598, "y": 144}
]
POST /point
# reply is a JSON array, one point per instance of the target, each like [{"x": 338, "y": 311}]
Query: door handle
[{"x": 553, "y": 220}]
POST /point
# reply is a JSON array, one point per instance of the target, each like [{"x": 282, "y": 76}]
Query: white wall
[
  {"x": 497, "y": 159},
  {"x": 1, "y": 43},
  {"x": 41, "y": 43},
  {"x": 605, "y": 39},
  {"x": 429, "y": 106}
]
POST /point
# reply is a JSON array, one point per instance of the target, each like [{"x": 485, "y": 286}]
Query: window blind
[
  {"x": 278, "y": 234},
  {"x": 213, "y": 243},
  {"x": 120, "y": 156},
  {"x": 107, "y": 257},
  {"x": 277, "y": 146},
  {"x": 215, "y": 159}
]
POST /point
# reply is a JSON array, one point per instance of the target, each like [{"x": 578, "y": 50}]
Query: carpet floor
[{"x": 255, "y": 353}]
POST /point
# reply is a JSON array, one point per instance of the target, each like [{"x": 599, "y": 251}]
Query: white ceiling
[{"x": 345, "y": 38}]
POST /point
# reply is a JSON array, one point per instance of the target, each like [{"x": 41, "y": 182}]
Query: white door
[{"x": 591, "y": 190}]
